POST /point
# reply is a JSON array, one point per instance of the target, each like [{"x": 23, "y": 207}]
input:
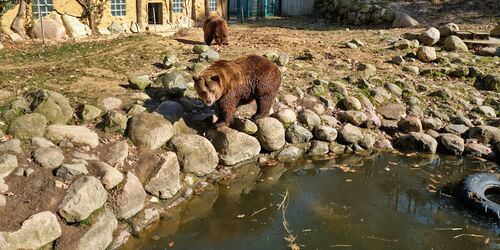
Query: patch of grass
[{"x": 92, "y": 217}]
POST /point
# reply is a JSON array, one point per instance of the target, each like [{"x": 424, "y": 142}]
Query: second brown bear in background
[{"x": 215, "y": 28}]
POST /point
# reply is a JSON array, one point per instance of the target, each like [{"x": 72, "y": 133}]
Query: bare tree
[
  {"x": 93, "y": 12},
  {"x": 138, "y": 9},
  {"x": 18, "y": 23}
]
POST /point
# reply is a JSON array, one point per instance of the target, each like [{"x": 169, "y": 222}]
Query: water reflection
[{"x": 379, "y": 201}]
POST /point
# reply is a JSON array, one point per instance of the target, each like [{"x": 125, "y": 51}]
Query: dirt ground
[{"x": 88, "y": 70}]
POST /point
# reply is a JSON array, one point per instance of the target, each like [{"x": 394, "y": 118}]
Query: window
[
  {"x": 177, "y": 6},
  {"x": 46, "y": 7},
  {"x": 213, "y": 5},
  {"x": 118, "y": 8}
]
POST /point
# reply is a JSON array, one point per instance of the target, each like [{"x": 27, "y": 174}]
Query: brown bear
[
  {"x": 231, "y": 82},
  {"x": 215, "y": 28}
]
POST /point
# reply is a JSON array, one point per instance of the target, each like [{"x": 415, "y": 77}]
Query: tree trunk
[
  {"x": 138, "y": 9},
  {"x": 18, "y": 23},
  {"x": 171, "y": 11},
  {"x": 91, "y": 20},
  {"x": 193, "y": 10},
  {"x": 207, "y": 8}
]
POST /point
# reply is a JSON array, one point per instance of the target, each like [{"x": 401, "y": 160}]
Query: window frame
[
  {"x": 212, "y": 5},
  {"x": 177, "y": 6},
  {"x": 118, "y": 8},
  {"x": 45, "y": 8}
]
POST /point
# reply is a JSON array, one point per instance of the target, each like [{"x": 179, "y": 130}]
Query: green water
[{"x": 384, "y": 201}]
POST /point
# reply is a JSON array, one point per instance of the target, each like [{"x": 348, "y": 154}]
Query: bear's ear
[
  {"x": 196, "y": 78},
  {"x": 215, "y": 78}
]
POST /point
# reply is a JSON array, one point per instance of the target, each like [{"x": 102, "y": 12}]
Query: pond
[{"x": 378, "y": 201}]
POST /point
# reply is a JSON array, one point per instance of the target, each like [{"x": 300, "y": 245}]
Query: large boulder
[
  {"x": 451, "y": 143},
  {"x": 150, "y": 131},
  {"x": 410, "y": 124},
  {"x": 394, "y": 111},
  {"x": 196, "y": 154},
  {"x": 139, "y": 82},
  {"x": 403, "y": 20},
  {"x": 325, "y": 133},
  {"x": 100, "y": 234},
  {"x": 68, "y": 171},
  {"x": 54, "y": 106},
  {"x": 130, "y": 199},
  {"x": 53, "y": 28},
  {"x": 78, "y": 135},
  {"x": 7, "y": 164},
  {"x": 36, "y": 232},
  {"x": 26, "y": 126},
  {"x": 110, "y": 176},
  {"x": 117, "y": 153},
  {"x": 286, "y": 116},
  {"x": 356, "y": 118},
  {"x": 11, "y": 146},
  {"x": 309, "y": 118},
  {"x": 448, "y": 29},
  {"x": 174, "y": 82},
  {"x": 430, "y": 36},
  {"x": 350, "y": 134},
  {"x": 83, "y": 197},
  {"x": 74, "y": 27},
  {"x": 170, "y": 110},
  {"x": 453, "y": 43},
  {"x": 417, "y": 142},
  {"x": 297, "y": 134},
  {"x": 271, "y": 134},
  {"x": 165, "y": 182},
  {"x": 232, "y": 146},
  {"x": 485, "y": 134},
  {"x": 426, "y": 54},
  {"x": 490, "y": 82}
]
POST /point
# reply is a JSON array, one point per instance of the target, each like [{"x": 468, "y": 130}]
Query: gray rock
[
  {"x": 394, "y": 111},
  {"x": 27, "y": 126},
  {"x": 69, "y": 171},
  {"x": 297, "y": 134},
  {"x": 336, "y": 148},
  {"x": 196, "y": 154},
  {"x": 367, "y": 70},
  {"x": 350, "y": 134},
  {"x": 198, "y": 49},
  {"x": 461, "y": 119},
  {"x": 84, "y": 156},
  {"x": 373, "y": 121},
  {"x": 338, "y": 87},
  {"x": 51, "y": 157},
  {"x": 489, "y": 51},
  {"x": 448, "y": 29},
  {"x": 19, "y": 172},
  {"x": 430, "y": 36},
  {"x": 165, "y": 182},
  {"x": 28, "y": 172},
  {"x": 83, "y": 197},
  {"x": 426, "y": 54},
  {"x": 145, "y": 219},
  {"x": 452, "y": 143},
  {"x": 289, "y": 99},
  {"x": 7, "y": 164},
  {"x": 209, "y": 56},
  {"x": 110, "y": 176},
  {"x": 116, "y": 28},
  {"x": 233, "y": 146},
  {"x": 136, "y": 109},
  {"x": 457, "y": 129},
  {"x": 174, "y": 82},
  {"x": 454, "y": 43},
  {"x": 356, "y": 118},
  {"x": 486, "y": 111},
  {"x": 476, "y": 150},
  {"x": 325, "y": 133},
  {"x": 351, "y": 103},
  {"x": 3, "y": 202},
  {"x": 318, "y": 148},
  {"x": 410, "y": 124},
  {"x": 282, "y": 59},
  {"x": 485, "y": 134},
  {"x": 90, "y": 113},
  {"x": 150, "y": 131},
  {"x": 367, "y": 142},
  {"x": 244, "y": 125},
  {"x": 380, "y": 95},
  {"x": 130, "y": 200},
  {"x": 412, "y": 69},
  {"x": 171, "y": 110},
  {"x": 54, "y": 106},
  {"x": 120, "y": 239},
  {"x": 271, "y": 133},
  {"x": 77, "y": 135},
  {"x": 393, "y": 88},
  {"x": 36, "y": 232},
  {"x": 383, "y": 144},
  {"x": 169, "y": 60},
  {"x": 100, "y": 234},
  {"x": 117, "y": 154},
  {"x": 115, "y": 121},
  {"x": 462, "y": 71},
  {"x": 399, "y": 60},
  {"x": 432, "y": 123},
  {"x": 491, "y": 82},
  {"x": 417, "y": 142},
  {"x": 111, "y": 103},
  {"x": 11, "y": 146},
  {"x": 309, "y": 118},
  {"x": 289, "y": 153},
  {"x": 286, "y": 116},
  {"x": 351, "y": 45},
  {"x": 330, "y": 121},
  {"x": 403, "y": 20},
  {"x": 139, "y": 82}
]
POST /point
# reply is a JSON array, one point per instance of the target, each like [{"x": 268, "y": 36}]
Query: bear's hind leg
[{"x": 264, "y": 104}]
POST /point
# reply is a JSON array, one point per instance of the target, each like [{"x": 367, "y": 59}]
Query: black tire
[{"x": 473, "y": 191}]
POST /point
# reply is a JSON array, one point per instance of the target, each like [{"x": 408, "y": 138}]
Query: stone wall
[{"x": 357, "y": 12}]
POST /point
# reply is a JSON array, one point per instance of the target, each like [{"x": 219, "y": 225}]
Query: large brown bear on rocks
[
  {"x": 231, "y": 82},
  {"x": 215, "y": 28}
]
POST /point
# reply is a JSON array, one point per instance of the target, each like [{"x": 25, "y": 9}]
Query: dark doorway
[{"x": 155, "y": 13}]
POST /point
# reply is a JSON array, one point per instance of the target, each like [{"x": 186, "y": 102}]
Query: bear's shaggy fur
[
  {"x": 215, "y": 28},
  {"x": 231, "y": 82}
]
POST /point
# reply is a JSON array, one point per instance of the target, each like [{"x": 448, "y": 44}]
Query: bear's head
[
  {"x": 221, "y": 38},
  {"x": 208, "y": 87}
]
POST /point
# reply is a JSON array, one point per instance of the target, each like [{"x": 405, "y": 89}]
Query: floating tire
[{"x": 473, "y": 192}]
